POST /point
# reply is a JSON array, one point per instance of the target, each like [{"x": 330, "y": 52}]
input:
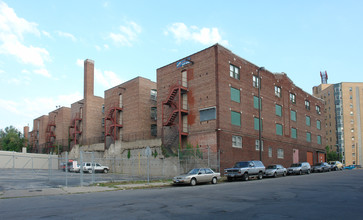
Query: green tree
[
  {"x": 331, "y": 155},
  {"x": 11, "y": 139}
]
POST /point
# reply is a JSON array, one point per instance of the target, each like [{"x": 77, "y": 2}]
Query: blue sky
[{"x": 43, "y": 44}]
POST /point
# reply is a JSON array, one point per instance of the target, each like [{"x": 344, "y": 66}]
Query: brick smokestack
[{"x": 89, "y": 72}]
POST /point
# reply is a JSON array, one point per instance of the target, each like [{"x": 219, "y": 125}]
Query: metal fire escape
[
  {"x": 112, "y": 122},
  {"x": 50, "y": 135},
  {"x": 74, "y": 128},
  {"x": 173, "y": 113}
]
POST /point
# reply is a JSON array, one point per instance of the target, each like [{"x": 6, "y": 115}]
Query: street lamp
[{"x": 259, "y": 110}]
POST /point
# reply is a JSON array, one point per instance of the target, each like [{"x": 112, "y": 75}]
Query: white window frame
[
  {"x": 257, "y": 145},
  {"x": 236, "y": 141},
  {"x": 280, "y": 153}
]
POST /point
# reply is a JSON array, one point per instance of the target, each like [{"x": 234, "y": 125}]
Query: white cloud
[
  {"x": 2, "y": 71},
  {"x": 67, "y": 35},
  {"x": 128, "y": 34},
  {"x": 106, "y": 46},
  {"x": 32, "y": 108},
  {"x": 11, "y": 23},
  {"x": 107, "y": 79},
  {"x": 98, "y": 48},
  {"x": 46, "y": 34},
  {"x": 12, "y": 30},
  {"x": 80, "y": 63},
  {"x": 42, "y": 72},
  {"x": 206, "y": 36}
]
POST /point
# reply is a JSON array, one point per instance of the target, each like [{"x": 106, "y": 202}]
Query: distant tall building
[{"x": 343, "y": 118}]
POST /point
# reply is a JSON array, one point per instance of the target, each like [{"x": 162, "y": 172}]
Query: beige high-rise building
[{"x": 343, "y": 118}]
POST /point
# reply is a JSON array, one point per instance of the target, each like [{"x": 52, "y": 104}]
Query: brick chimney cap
[{"x": 89, "y": 61}]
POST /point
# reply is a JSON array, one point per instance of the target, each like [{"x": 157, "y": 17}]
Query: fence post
[
  {"x": 66, "y": 166},
  {"x": 208, "y": 156},
  {"x": 81, "y": 166},
  {"x": 178, "y": 163},
  {"x": 93, "y": 167}
]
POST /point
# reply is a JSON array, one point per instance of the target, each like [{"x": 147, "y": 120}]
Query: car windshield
[
  {"x": 271, "y": 167},
  {"x": 318, "y": 164},
  {"x": 241, "y": 164},
  {"x": 296, "y": 165},
  {"x": 193, "y": 171}
]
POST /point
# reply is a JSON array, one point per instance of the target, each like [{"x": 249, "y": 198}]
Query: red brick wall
[{"x": 205, "y": 90}]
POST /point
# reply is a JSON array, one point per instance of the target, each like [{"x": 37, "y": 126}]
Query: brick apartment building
[
  {"x": 210, "y": 98},
  {"x": 130, "y": 111},
  {"x": 37, "y": 137},
  {"x": 86, "y": 114},
  {"x": 343, "y": 118}
]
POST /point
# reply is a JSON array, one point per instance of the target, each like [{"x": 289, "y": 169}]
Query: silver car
[
  {"x": 198, "y": 175},
  {"x": 275, "y": 170}
]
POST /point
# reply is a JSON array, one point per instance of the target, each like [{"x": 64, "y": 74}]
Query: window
[
  {"x": 292, "y": 98},
  {"x": 318, "y": 124},
  {"x": 293, "y": 133},
  {"x": 279, "y": 129},
  {"x": 351, "y": 97},
  {"x": 317, "y": 110},
  {"x": 235, "y": 95},
  {"x": 307, "y": 119},
  {"x": 234, "y": 71},
  {"x": 154, "y": 130},
  {"x": 278, "y": 110},
  {"x": 293, "y": 115},
  {"x": 319, "y": 139},
  {"x": 307, "y": 104},
  {"x": 236, "y": 141},
  {"x": 257, "y": 146},
  {"x": 308, "y": 136},
  {"x": 153, "y": 113},
  {"x": 207, "y": 114},
  {"x": 236, "y": 118},
  {"x": 351, "y": 105},
  {"x": 255, "y": 81},
  {"x": 153, "y": 94},
  {"x": 269, "y": 151},
  {"x": 255, "y": 102},
  {"x": 280, "y": 153},
  {"x": 278, "y": 91},
  {"x": 350, "y": 89},
  {"x": 256, "y": 123},
  {"x": 103, "y": 109}
]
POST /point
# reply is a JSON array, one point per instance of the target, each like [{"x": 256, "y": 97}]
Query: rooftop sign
[{"x": 183, "y": 62}]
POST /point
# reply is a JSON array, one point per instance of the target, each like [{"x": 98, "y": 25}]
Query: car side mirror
[{"x": 199, "y": 173}]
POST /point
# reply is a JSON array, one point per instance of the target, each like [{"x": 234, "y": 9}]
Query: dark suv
[{"x": 245, "y": 169}]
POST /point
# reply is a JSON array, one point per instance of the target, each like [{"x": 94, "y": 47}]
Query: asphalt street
[{"x": 331, "y": 195}]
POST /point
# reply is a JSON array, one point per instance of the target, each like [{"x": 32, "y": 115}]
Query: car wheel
[
  {"x": 275, "y": 174},
  {"x": 308, "y": 172},
  {"x": 260, "y": 176},
  {"x": 90, "y": 171},
  {"x": 193, "y": 182},
  {"x": 336, "y": 168},
  {"x": 105, "y": 170},
  {"x": 300, "y": 172},
  {"x": 214, "y": 180},
  {"x": 284, "y": 174},
  {"x": 229, "y": 179},
  {"x": 245, "y": 177}
]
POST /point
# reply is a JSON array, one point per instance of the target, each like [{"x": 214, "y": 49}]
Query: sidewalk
[{"x": 76, "y": 190}]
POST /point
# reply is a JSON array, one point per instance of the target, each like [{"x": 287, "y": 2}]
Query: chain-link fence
[
  {"x": 41, "y": 170},
  {"x": 191, "y": 158}
]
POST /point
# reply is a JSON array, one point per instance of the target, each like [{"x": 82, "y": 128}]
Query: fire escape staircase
[
  {"x": 74, "y": 128},
  {"x": 50, "y": 135},
  {"x": 112, "y": 122},
  {"x": 175, "y": 110}
]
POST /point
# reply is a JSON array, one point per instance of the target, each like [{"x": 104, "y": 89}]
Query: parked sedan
[
  {"x": 275, "y": 170},
  {"x": 198, "y": 175},
  {"x": 321, "y": 167}
]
